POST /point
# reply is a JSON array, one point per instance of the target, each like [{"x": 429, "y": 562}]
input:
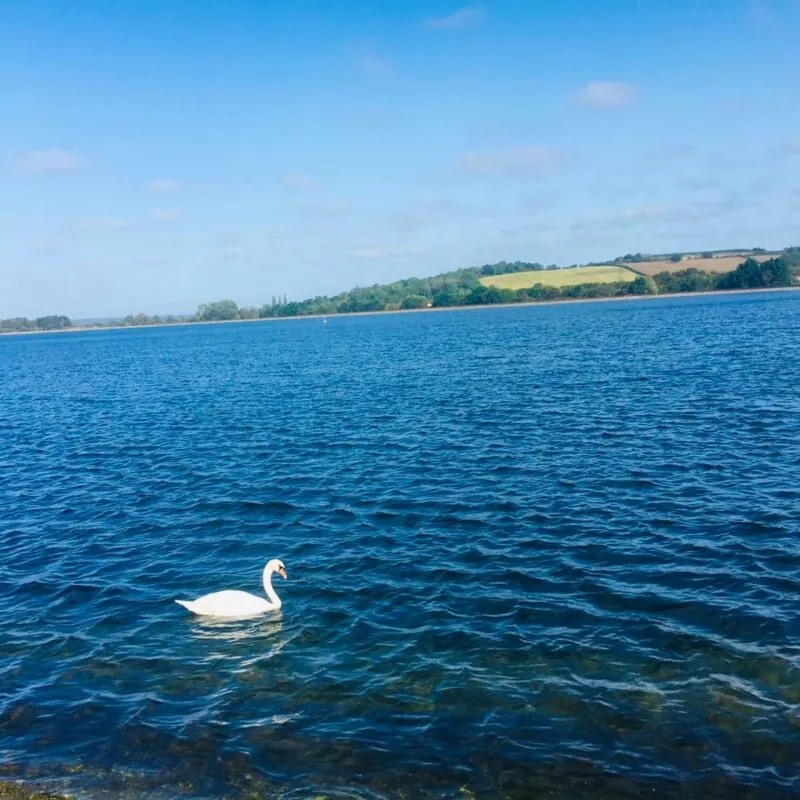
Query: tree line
[
  {"x": 54, "y": 322},
  {"x": 460, "y": 287},
  {"x": 463, "y": 288},
  {"x": 644, "y": 258}
]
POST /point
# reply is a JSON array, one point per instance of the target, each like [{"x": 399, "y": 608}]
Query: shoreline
[{"x": 566, "y": 301}]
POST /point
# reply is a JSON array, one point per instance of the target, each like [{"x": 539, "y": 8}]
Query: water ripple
[{"x": 546, "y": 552}]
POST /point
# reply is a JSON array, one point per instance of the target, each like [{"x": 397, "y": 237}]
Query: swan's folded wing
[{"x": 229, "y": 603}]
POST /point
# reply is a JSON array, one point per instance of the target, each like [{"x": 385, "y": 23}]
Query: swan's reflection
[{"x": 266, "y": 630}]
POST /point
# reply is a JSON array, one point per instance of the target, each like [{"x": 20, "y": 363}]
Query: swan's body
[{"x": 232, "y": 603}]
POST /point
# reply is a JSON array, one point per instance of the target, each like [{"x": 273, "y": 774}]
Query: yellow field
[
  {"x": 559, "y": 277},
  {"x": 723, "y": 264}
]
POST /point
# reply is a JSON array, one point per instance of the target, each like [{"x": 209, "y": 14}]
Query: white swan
[{"x": 232, "y": 603}]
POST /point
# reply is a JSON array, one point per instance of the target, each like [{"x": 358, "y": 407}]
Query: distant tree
[
  {"x": 218, "y": 310},
  {"x": 791, "y": 255},
  {"x": 477, "y": 296},
  {"x": 450, "y": 296},
  {"x": 676, "y": 258},
  {"x": 632, "y": 258},
  {"x": 290, "y": 309},
  {"x": 414, "y": 301},
  {"x": 642, "y": 285},
  {"x": 248, "y": 312},
  {"x": 758, "y": 250},
  {"x": 494, "y": 295},
  {"x": 776, "y": 272},
  {"x": 53, "y": 323},
  {"x": 751, "y": 274},
  {"x": 707, "y": 254},
  {"x": 17, "y": 324},
  {"x": 685, "y": 280}
]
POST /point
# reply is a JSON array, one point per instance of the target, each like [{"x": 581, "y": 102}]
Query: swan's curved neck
[{"x": 271, "y": 593}]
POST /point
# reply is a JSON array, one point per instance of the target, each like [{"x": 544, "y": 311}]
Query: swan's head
[{"x": 276, "y": 565}]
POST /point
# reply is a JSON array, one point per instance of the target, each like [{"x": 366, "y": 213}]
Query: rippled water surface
[{"x": 533, "y": 552}]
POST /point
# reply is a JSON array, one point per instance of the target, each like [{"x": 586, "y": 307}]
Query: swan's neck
[{"x": 271, "y": 593}]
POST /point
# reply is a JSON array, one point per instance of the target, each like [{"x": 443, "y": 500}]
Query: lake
[{"x": 533, "y": 552}]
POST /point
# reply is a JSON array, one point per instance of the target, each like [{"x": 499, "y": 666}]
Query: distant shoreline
[{"x": 565, "y": 301}]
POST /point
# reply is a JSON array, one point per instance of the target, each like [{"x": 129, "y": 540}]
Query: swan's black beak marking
[{"x": 282, "y": 573}]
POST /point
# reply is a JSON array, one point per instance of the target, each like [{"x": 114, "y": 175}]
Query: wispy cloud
[
  {"x": 698, "y": 184},
  {"x": 626, "y": 218},
  {"x": 48, "y": 162},
  {"x": 164, "y": 215},
  {"x": 165, "y": 185},
  {"x": 368, "y": 59},
  {"x": 103, "y": 225},
  {"x": 606, "y": 94},
  {"x": 298, "y": 180},
  {"x": 513, "y": 160},
  {"x": 324, "y": 209},
  {"x": 49, "y": 244},
  {"x": 687, "y": 213},
  {"x": 431, "y": 213},
  {"x": 232, "y": 252},
  {"x": 463, "y": 19},
  {"x": 372, "y": 253},
  {"x": 536, "y": 204}
]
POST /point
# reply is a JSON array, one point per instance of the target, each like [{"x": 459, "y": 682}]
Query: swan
[{"x": 232, "y": 603}]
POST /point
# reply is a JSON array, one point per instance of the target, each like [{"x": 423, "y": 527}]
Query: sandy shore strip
[{"x": 529, "y": 304}]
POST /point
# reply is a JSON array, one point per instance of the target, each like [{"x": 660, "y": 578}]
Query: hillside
[
  {"x": 503, "y": 282},
  {"x": 569, "y": 276},
  {"x": 716, "y": 264}
]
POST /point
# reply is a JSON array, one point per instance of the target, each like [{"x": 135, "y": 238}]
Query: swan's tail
[{"x": 187, "y": 604}]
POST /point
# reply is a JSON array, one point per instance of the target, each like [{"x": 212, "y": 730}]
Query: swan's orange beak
[{"x": 282, "y": 573}]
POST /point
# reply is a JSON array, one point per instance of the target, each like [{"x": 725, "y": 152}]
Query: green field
[{"x": 559, "y": 277}]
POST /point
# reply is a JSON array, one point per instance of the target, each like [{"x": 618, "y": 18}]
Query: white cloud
[
  {"x": 467, "y": 17},
  {"x": 512, "y": 160},
  {"x": 606, "y": 94},
  {"x": 298, "y": 180},
  {"x": 165, "y": 185},
  {"x": 49, "y": 162},
  {"x": 164, "y": 215}
]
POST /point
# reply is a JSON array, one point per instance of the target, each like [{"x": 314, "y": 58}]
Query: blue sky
[{"x": 155, "y": 154}]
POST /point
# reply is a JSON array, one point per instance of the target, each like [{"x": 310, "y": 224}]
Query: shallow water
[{"x": 533, "y": 552}]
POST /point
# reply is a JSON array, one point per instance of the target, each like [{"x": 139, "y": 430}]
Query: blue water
[{"x": 541, "y": 552}]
